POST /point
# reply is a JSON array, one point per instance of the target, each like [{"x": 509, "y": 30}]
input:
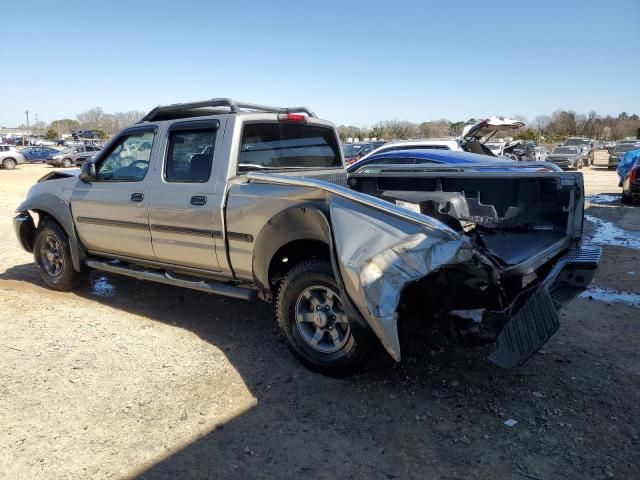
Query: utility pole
[
  {"x": 27, "y": 113},
  {"x": 37, "y": 126}
]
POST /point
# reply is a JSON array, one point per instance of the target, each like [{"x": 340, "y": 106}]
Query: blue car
[
  {"x": 446, "y": 158},
  {"x": 38, "y": 154},
  {"x": 627, "y": 162}
]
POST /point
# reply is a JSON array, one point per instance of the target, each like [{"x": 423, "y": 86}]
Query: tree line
[
  {"x": 556, "y": 127},
  {"x": 96, "y": 119},
  {"x": 553, "y": 128}
]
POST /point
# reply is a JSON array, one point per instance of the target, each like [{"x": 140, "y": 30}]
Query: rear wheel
[
  {"x": 53, "y": 258},
  {"x": 9, "y": 163},
  {"x": 626, "y": 199},
  {"x": 312, "y": 317}
]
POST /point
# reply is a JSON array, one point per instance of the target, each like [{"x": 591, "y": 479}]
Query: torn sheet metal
[{"x": 380, "y": 254}]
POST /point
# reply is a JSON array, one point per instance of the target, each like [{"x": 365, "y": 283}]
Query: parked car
[
  {"x": 541, "y": 154},
  {"x": 521, "y": 150},
  {"x": 470, "y": 161},
  {"x": 586, "y": 148},
  {"x": 266, "y": 213},
  {"x": 72, "y": 156},
  {"x": 42, "y": 142},
  {"x": 84, "y": 134},
  {"x": 10, "y": 156},
  {"x": 472, "y": 139},
  {"x": 38, "y": 154},
  {"x": 629, "y": 172},
  {"x": 359, "y": 150},
  {"x": 619, "y": 150},
  {"x": 567, "y": 157}
]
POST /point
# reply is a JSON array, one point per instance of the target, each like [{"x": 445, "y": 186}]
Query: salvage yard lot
[{"x": 124, "y": 378}]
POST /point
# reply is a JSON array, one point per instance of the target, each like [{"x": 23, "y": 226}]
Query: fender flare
[{"x": 60, "y": 211}]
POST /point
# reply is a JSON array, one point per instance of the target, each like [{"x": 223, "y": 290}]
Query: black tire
[
  {"x": 352, "y": 356},
  {"x": 66, "y": 162},
  {"x": 9, "y": 163},
  {"x": 626, "y": 199},
  {"x": 48, "y": 233}
]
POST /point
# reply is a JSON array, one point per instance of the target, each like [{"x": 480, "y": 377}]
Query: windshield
[
  {"x": 627, "y": 147},
  {"x": 67, "y": 150},
  {"x": 566, "y": 150},
  {"x": 493, "y": 147},
  {"x": 577, "y": 141},
  {"x": 288, "y": 145},
  {"x": 350, "y": 150}
]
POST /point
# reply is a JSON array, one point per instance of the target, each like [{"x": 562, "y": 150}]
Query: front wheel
[
  {"x": 9, "y": 163},
  {"x": 53, "y": 258},
  {"x": 313, "y": 319},
  {"x": 66, "y": 163}
]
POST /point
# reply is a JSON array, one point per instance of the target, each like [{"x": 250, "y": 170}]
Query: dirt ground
[{"x": 123, "y": 378}]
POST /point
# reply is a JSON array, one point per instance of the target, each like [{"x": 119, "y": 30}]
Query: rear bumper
[{"x": 532, "y": 319}]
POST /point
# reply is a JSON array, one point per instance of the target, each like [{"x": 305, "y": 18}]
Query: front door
[
  {"x": 181, "y": 203},
  {"x": 111, "y": 213}
]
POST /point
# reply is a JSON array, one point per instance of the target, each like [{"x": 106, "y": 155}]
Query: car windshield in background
[
  {"x": 350, "y": 150},
  {"x": 565, "y": 150},
  {"x": 627, "y": 147},
  {"x": 577, "y": 142},
  {"x": 286, "y": 145},
  {"x": 493, "y": 147}
]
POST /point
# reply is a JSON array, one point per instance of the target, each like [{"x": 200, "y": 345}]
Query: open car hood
[{"x": 489, "y": 126}]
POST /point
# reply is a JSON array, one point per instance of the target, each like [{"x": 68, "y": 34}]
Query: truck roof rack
[{"x": 210, "y": 107}]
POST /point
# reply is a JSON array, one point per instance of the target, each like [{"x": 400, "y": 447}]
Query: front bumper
[
  {"x": 532, "y": 319},
  {"x": 25, "y": 230},
  {"x": 565, "y": 164},
  {"x": 56, "y": 162}
]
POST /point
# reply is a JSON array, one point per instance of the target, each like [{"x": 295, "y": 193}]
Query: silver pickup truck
[{"x": 253, "y": 202}]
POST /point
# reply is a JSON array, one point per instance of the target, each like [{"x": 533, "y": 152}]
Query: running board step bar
[{"x": 169, "y": 278}]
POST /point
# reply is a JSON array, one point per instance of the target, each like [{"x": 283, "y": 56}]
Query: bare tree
[{"x": 541, "y": 122}]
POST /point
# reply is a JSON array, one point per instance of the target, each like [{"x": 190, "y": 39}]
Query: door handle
[
  {"x": 198, "y": 200},
  {"x": 137, "y": 197}
]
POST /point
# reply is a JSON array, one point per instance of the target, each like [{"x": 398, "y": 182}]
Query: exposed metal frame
[{"x": 232, "y": 105}]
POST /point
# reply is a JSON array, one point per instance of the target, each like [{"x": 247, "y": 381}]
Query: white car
[
  {"x": 41, "y": 142},
  {"x": 472, "y": 139},
  {"x": 541, "y": 154},
  {"x": 10, "y": 156}
]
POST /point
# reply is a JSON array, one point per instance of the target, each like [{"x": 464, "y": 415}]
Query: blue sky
[{"x": 352, "y": 62}]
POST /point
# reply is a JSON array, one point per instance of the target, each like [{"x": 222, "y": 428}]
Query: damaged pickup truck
[{"x": 253, "y": 202}]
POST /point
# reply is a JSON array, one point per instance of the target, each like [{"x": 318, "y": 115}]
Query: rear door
[
  {"x": 111, "y": 213},
  {"x": 181, "y": 202}
]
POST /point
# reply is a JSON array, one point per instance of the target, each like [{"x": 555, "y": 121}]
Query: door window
[
  {"x": 125, "y": 162},
  {"x": 190, "y": 155}
]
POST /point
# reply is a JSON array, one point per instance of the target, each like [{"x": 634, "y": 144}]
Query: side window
[
  {"x": 124, "y": 162},
  {"x": 190, "y": 155}
]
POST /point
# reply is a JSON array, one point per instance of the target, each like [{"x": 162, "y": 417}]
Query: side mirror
[{"x": 88, "y": 172}]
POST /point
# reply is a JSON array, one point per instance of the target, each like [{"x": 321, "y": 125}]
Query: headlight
[{"x": 56, "y": 157}]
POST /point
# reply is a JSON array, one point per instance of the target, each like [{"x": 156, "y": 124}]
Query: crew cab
[{"x": 253, "y": 202}]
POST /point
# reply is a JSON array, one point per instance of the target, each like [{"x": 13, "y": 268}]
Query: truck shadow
[{"x": 392, "y": 420}]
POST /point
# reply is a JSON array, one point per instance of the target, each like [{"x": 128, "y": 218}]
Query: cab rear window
[{"x": 288, "y": 145}]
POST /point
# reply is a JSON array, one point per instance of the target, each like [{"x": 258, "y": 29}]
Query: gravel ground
[{"x": 123, "y": 378}]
